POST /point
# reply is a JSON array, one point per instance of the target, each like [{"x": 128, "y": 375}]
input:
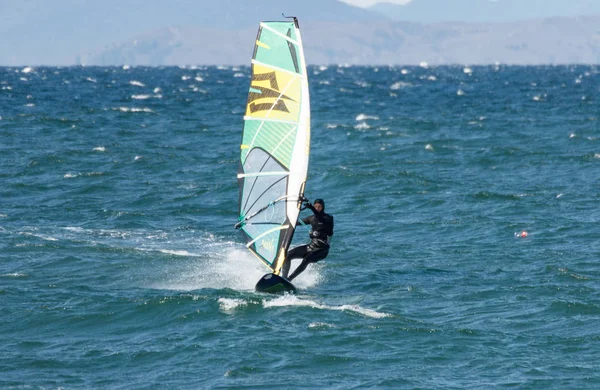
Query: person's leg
[
  {"x": 296, "y": 253},
  {"x": 311, "y": 257}
]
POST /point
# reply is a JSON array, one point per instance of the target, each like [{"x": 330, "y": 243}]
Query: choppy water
[{"x": 121, "y": 268}]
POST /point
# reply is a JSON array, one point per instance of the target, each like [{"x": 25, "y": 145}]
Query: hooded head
[{"x": 321, "y": 202}]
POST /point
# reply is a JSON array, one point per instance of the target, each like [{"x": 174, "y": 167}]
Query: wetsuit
[{"x": 318, "y": 248}]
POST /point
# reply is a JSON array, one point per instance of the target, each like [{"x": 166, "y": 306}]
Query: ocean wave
[
  {"x": 133, "y": 109},
  {"x": 15, "y": 275},
  {"x": 293, "y": 300},
  {"x": 363, "y": 117}
]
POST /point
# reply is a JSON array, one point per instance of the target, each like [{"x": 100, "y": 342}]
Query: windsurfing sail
[{"x": 275, "y": 143}]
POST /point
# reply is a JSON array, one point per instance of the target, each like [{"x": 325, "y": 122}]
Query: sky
[{"x": 368, "y": 3}]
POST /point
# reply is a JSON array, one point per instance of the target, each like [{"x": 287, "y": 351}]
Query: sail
[{"x": 275, "y": 143}]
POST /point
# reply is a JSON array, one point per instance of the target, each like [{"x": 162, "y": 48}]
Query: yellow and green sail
[{"x": 275, "y": 143}]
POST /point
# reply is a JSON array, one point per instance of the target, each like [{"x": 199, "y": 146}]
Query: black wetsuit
[{"x": 318, "y": 248}]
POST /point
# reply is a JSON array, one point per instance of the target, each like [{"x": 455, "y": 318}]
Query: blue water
[{"x": 120, "y": 267}]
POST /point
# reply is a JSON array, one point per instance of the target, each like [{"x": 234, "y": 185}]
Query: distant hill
[
  {"x": 545, "y": 41},
  {"x": 486, "y": 11},
  {"x": 55, "y": 32},
  {"x": 198, "y": 32}
]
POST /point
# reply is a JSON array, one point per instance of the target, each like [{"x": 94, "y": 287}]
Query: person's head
[{"x": 319, "y": 205}]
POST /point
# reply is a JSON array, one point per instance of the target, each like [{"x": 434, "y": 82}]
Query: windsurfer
[{"x": 320, "y": 234}]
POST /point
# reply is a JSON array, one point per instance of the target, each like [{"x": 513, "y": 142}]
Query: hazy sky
[{"x": 367, "y": 3}]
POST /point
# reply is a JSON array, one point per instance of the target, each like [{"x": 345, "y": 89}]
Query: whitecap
[
  {"x": 467, "y": 70},
  {"x": 74, "y": 229},
  {"x": 460, "y": 92},
  {"x": 320, "y": 325},
  {"x": 140, "y": 97},
  {"x": 15, "y": 275},
  {"x": 177, "y": 252},
  {"x": 362, "y": 126},
  {"x": 137, "y": 83},
  {"x": 228, "y": 305},
  {"x": 99, "y": 149},
  {"x": 362, "y": 117},
  {"x": 42, "y": 236},
  {"x": 399, "y": 85},
  {"x": 293, "y": 300},
  {"x": 27, "y": 69},
  {"x": 429, "y": 147},
  {"x": 134, "y": 109}
]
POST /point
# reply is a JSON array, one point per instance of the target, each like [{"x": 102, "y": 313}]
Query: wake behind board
[{"x": 271, "y": 283}]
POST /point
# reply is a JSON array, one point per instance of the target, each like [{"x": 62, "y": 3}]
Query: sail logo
[
  {"x": 268, "y": 245},
  {"x": 265, "y": 94}
]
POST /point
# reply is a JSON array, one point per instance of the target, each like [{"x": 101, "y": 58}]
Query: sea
[{"x": 466, "y": 252}]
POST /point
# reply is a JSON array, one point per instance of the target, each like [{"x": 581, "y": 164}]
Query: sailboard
[{"x": 275, "y": 148}]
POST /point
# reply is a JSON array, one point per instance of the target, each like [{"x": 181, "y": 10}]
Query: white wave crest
[
  {"x": 133, "y": 109},
  {"x": 14, "y": 275},
  {"x": 362, "y": 117},
  {"x": 399, "y": 85},
  {"x": 293, "y": 300},
  {"x": 228, "y": 305}
]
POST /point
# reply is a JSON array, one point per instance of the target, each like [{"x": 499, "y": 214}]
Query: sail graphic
[{"x": 275, "y": 143}]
